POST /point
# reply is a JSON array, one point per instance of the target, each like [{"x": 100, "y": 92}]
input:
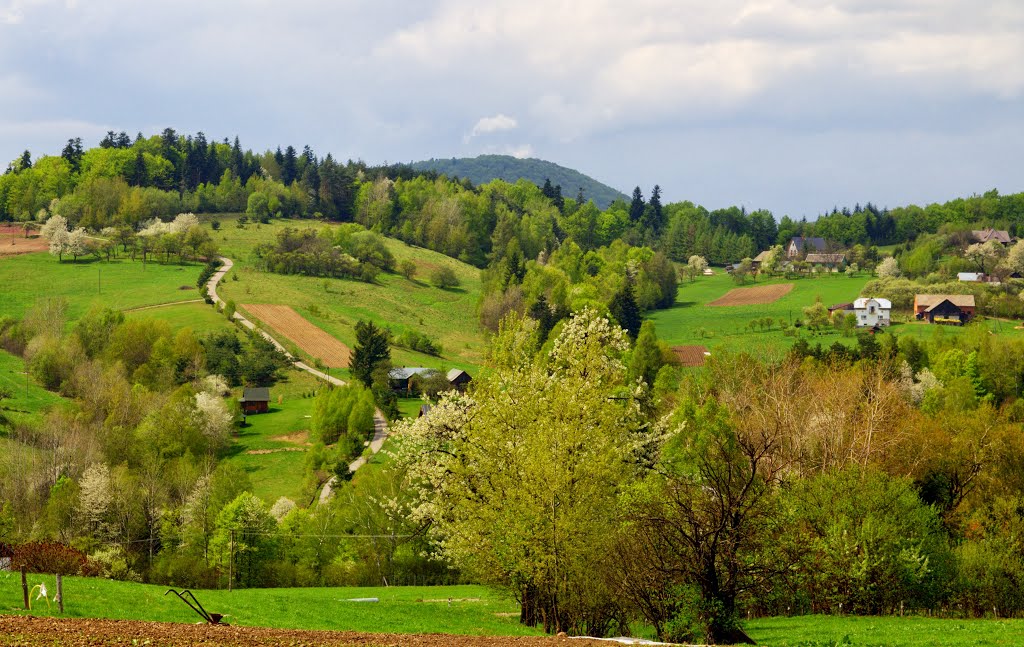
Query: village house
[
  {"x": 955, "y": 309},
  {"x": 831, "y": 262},
  {"x": 872, "y": 312},
  {"x": 970, "y": 277},
  {"x": 459, "y": 378},
  {"x": 984, "y": 235},
  {"x": 404, "y": 379},
  {"x": 800, "y": 245},
  {"x": 255, "y": 400}
]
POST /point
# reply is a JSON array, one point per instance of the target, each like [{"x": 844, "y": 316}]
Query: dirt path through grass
[{"x": 380, "y": 424}]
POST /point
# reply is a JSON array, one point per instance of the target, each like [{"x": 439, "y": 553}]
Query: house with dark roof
[
  {"x": 403, "y": 378},
  {"x": 255, "y": 400},
  {"x": 459, "y": 379},
  {"x": 955, "y": 309},
  {"x": 800, "y": 245}
]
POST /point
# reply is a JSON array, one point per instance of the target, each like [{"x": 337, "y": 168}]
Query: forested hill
[{"x": 483, "y": 169}]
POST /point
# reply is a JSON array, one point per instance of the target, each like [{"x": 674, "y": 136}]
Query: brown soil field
[
  {"x": 690, "y": 355},
  {"x": 302, "y": 333},
  {"x": 13, "y": 241},
  {"x": 28, "y": 631},
  {"x": 753, "y": 296}
]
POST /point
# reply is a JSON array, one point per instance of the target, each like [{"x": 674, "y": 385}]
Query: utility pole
[{"x": 231, "y": 560}]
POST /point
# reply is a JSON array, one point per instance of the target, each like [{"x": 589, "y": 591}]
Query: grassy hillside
[
  {"x": 692, "y": 322},
  {"x": 119, "y": 284},
  {"x": 505, "y": 167},
  {"x": 448, "y": 316}
]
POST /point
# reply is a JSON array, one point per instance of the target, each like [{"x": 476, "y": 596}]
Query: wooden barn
[
  {"x": 459, "y": 378},
  {"x": 255, "y": 400},
  {"x": 955, "y": 309}
]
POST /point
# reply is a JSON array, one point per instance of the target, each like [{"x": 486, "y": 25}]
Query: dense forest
[{"x": 485, "y": 168}]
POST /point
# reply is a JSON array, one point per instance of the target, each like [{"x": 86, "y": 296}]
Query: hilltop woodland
[{"x": 582, "y": 471}]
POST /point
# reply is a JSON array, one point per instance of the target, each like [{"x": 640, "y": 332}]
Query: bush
[
  {"x": 444, "y": 277},
  {"x": 407, "y": 268},
  {"x": 419, "y": 342},
  {"x": 51, "y": 557}
]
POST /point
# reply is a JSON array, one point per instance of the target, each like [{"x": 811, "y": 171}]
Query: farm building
[
  {"x": 985, "y": 235},
  {"x": 800, "y": 245},
  {"x": 872, "y": 312},
  {"x": 757, "y": 260},
  {"x": 970, "y": 277},
  {"x": 255, "y": 400},
  {"x": 829, "y": 261},
  {"x": 944, "y": 308},
  {"x": 459, "y": 378},
  {"x": 402, "y": 378}
]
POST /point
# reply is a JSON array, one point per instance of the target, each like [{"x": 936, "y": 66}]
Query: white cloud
[
  {"x": 493, "y": 124},
  {"x": 522, "y": 151}
]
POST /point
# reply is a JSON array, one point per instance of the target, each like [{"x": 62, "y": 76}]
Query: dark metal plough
[{"x": 212, "y": 618}]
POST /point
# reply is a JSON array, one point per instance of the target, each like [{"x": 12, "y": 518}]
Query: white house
[{"x": 872, "y": 312}]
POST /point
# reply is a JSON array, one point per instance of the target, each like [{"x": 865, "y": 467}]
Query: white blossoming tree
[
  {"x": 519, "y": 479},
  {"x": 216, "y": 419},
  {"x": 888, "y": 268},
  {"x": 55, "y": 230}
]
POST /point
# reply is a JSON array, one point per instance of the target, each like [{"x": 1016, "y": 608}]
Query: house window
[
  {"x": 863, "y": 317},
  {"x": 871, "y": 310}
]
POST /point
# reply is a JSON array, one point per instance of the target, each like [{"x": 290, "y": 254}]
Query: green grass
[
  {"x": 690, "y": 321},
  {"x": 118, "y": 284},
  {"x": 474, "y": 610},
  {"x": 28, "y": 400},
  {"x": 410, "y": 407},
  {"x": 910, "y": 631},
  {"x": 448, "y": 316},
  {"x": 280, "y": 472},
  {"x": 200, "y": 317}
]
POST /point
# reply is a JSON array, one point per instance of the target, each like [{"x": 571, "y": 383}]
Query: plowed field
[
  {"x": 753, "y": 296},
  {"x": 302, "y": 333},
  {"x": 30, "y": 632},
  {"x": 690, "y": 355},
  {"x": 13, "y": 241}
]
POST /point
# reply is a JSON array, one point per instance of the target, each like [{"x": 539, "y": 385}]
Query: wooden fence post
[
  {"x": 60, "y": 593},
  {"x": 24, "y": 586}
]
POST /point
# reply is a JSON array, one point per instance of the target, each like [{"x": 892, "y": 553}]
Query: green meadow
[
  {"x": 692, "y": 321},
  {"x": 460, "y": 610},
  {"x": 28, "y": 400},
  {"x": 120, "y": 284},
  {"x": 473, "y": 610},
  {"x": 447, "y": 316}
]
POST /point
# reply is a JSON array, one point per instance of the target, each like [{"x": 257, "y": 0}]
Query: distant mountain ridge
[{"x": 485, "y": 168}]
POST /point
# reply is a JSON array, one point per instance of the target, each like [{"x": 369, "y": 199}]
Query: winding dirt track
[{"x": 31, "y": 632}]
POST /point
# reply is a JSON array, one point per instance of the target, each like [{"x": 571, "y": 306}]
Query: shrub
[
  {"x": 419, "y": 342},
  {"x": 444, "y": 277},
  {"x": 407, "y": 268},
  {"x": 51, "y": 557}
]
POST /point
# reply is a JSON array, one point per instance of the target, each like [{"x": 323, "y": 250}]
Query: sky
[{"x": 790, "y": 105}]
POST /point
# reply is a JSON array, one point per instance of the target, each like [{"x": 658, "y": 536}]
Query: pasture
[
  {"x": 696, "y": 321},
  {"x": 334, "y": 305},
  {"x": 120, "y": 284}
]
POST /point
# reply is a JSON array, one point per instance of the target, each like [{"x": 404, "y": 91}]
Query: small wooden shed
[{"x": 255, "y": 400}]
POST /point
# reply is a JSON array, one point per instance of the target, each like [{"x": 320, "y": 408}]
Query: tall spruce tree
[
  {"x": 636, "y": 207},
  {"x": 625, "y": 310},
  {"x": 370, "y": 352}
]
